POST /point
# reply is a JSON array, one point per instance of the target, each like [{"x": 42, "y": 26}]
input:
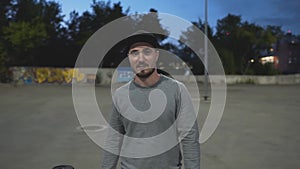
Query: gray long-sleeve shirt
[{"x": 164, "y": 113}]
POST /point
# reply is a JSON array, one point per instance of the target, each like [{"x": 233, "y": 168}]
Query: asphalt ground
[{"x": 259, "y": 129}]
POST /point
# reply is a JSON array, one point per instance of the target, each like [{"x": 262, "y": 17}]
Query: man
[{"x": 146, "y": 107}]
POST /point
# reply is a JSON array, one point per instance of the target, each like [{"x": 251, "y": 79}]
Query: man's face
[{"x": 143, "y": 58}]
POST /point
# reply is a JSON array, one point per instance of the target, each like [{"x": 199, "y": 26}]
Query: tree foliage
[
  {"x": 235, "y": 40},
  {"x": 243, "y": 40},
  {"x": 34, "y": 33},
  {"x": 145, "y": 22},
  {"x": 24, "y": 35}
]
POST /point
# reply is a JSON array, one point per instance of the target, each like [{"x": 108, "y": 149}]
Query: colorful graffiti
[
  {"x": 28, "y": 75},
  {"x": 125, "y": 74},
  {"x": 58, "y": 75}
]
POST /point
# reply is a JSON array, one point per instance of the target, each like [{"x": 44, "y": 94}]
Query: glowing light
[{"x": 268, "y": 59}]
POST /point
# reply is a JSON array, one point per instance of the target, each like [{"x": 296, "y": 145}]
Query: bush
[{"x": 262, "y": 69}]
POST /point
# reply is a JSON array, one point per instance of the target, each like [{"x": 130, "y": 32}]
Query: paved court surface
[{"x": 259, "y": 129}]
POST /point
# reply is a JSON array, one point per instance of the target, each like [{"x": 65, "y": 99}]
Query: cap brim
[{"x": 145, "y": 37}]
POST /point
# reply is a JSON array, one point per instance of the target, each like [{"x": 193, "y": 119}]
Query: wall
[
  {"x": 40, "y": 75},
  {"x": 264, "y": 80}
]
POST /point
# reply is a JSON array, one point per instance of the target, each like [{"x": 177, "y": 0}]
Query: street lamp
[{"x": 205, "y": 56}]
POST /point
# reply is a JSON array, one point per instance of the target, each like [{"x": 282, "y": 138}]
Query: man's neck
[{"x": 149, "y": 81}]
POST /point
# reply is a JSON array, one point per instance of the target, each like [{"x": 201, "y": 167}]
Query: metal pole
[{"x": 205, "y": 56}]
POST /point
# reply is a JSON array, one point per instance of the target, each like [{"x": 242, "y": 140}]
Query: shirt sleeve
[
  {"x": 113, "y": 141},
  {"x": 188, "y": 131}
]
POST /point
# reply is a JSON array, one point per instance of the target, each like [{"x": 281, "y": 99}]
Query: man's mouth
[
  {"x": 144, "y": 73},
  {"x": 142, "y": 67}
]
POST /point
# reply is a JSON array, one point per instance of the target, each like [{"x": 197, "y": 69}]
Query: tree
[
  {"x": 5, "y": 6},
  {"x": 228, "y": 30},
  {"x": 227, "y": 59},
  {"x": 82, "y": 27},
  {"x": 33, "y": 33},
  {"x": 149, "y": 22},
  {"x": 24, "y": 37},
  {"x": 190, "y": 39},
  {"x": 243, "y": 39},
  {"x": 146, "y": 22},
  {"x": 32, "y": 26}
]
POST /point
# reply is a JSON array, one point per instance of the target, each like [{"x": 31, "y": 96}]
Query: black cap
[{"x": 141, "y": 37}]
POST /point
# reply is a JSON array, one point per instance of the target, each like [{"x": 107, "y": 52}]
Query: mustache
[{"x": 142, "y": 65}]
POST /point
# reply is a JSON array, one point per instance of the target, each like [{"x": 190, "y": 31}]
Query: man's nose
[{"x": 141, "y": 57}]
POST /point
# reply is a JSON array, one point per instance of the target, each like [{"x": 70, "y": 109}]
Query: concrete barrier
[
  {"x": 38, "y": 75},
  {"x": 263, "y": 80}
]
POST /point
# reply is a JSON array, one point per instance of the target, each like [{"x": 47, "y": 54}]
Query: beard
[{"x": 145, "y": 74}]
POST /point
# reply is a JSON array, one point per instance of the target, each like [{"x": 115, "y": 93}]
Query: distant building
[
  {"x": 274, "y": 60},
  {"x": 288, "y": 52}
]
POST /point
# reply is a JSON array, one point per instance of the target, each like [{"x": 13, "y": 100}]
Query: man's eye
[
  {"x": 147, "y": 51},
  {"x": 134, "y": 53}
]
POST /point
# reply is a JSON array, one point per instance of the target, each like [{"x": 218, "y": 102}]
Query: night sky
[{"x": 284, "y": 13}]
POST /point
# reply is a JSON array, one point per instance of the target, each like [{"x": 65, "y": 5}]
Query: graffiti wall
[
  {"x": 124, "y": 74},
  {"x": 29, "y": 75}
]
